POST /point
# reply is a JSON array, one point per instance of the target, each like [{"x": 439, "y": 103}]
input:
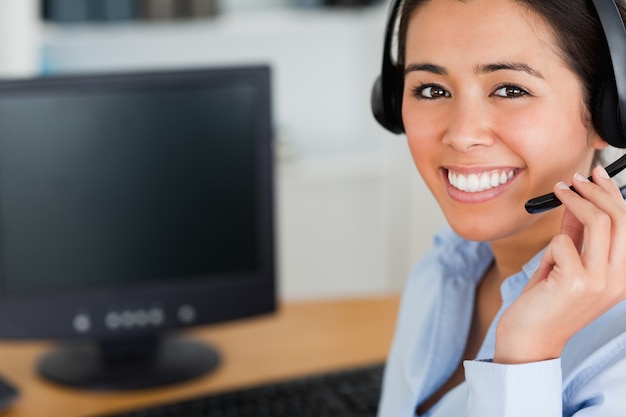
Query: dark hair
[{"x": 576, "y": 27}]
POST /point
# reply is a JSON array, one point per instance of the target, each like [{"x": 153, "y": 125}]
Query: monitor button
[
  {"x": 187, "y": 313},
  {"x": 112, "y": 320},
  {"x": 81, "y": 323},
  {"x": 156, "y": 316},
  {"x": 128, "y": 319},
  {"x": 142, "y": 318}
]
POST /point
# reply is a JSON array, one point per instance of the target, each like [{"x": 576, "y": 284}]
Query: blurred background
[{"x": 352, "y": 214}]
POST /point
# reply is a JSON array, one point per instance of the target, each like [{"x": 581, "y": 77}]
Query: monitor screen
[{"x": 135, "y": 204}]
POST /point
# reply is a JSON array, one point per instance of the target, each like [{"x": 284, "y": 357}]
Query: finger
[
  {"x": 602, "y": 192},
  {"x": 560, "y": 259},
  {"x": 605, "y": 194},
  {"x": 597, "y": 234},
  {"x": 616, "y": 208},
  {"x": 601, "y": 178}
]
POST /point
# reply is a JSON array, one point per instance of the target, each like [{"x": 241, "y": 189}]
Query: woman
[{"x": 510, "y": 313}]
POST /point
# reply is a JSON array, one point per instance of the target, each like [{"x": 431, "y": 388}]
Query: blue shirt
[{"x": 589, "y": 379}]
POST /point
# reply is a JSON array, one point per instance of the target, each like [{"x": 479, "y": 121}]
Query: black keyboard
[
  {"x": 345, "y": 393},
  {"x": 8, "y": 394}
]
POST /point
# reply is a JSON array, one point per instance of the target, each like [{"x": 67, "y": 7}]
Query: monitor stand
[{"x": 123, "y": 364}]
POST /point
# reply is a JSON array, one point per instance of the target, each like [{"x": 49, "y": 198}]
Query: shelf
[{"x": 241, "y": 24}]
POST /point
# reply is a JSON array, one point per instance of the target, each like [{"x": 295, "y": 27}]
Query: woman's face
[{"x": 492, "y": 114}]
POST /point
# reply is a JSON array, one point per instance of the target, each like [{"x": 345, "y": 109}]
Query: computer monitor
[{"x": 133, "y": 206}]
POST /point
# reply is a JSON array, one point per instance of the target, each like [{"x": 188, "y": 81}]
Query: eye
[
  {"x": 510, "y": 91},
  {"x": 430, "y": 92}
]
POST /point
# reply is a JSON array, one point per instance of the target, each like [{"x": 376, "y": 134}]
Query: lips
[{"x": 476, "y": 182}]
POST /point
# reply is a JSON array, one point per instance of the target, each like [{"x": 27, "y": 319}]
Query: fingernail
[
  {"x": 580, "y": 177},
  {"x": 562, "y": 185},
  {"x": 602, "y": 172}
]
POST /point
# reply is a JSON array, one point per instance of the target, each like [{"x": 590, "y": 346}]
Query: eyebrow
[
  {"x": 511, "y": 66},
  {"x": 432, "y": 68},
  {"x": 479, "y": 69}
]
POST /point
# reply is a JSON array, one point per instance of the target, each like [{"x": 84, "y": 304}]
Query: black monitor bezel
[{"x": 53, "y": 314}]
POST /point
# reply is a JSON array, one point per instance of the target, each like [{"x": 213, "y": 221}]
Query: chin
[
  {"x": 476, "y": 234},
  {"x": 483, "y": 228}
]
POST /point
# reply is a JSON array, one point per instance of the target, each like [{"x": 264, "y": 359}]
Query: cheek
[
  {"x": 424, "y": 129},
  {"x": 549, "y": 130},
  {"x": 554, "y": 145},
  {"x": 423, "y": 138},
  {"x": 426, "y": 153}
]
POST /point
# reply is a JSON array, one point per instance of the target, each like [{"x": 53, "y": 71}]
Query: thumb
[{"x": 562, "y": 254}]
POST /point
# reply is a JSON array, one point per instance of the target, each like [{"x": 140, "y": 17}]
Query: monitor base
[{"x": 128, "y": 364}]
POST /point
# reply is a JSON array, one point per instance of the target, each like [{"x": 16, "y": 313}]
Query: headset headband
[{"x": 385, "y": 105}]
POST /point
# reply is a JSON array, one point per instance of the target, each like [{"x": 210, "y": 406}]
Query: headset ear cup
[
  {"x": 386, "y": 105},
  {"x": 378, "y": 106},
  {"x": 605, "y": 115},
  {"x": 386, "y": 98}
]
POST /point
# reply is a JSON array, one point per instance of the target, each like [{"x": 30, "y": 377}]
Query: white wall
[
  {"x": 323, "y": 64},
  {"x": 19, "y": 37}
]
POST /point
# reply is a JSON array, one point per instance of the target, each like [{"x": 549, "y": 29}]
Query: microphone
[{"x": 549, "y": 201}]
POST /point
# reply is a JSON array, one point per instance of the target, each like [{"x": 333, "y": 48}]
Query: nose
[{"x": 468, "y": 127}]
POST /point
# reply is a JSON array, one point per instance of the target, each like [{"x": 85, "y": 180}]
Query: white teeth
[
  {"x": 462, "y": 182},
  {"x": 485, "y": 182},
  {"x": 494, "y": 179},
  {"x": 479, "y": 182},
  {"x": 473, "y": 183}
]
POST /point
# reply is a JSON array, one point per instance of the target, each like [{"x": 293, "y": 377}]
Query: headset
[{"x": 608, "y": 102}]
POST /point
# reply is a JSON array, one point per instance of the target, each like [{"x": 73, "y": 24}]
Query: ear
[{"x": 596, "y": 142}]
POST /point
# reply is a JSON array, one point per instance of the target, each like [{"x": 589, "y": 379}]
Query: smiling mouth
[{"x": 480, "y": 181}]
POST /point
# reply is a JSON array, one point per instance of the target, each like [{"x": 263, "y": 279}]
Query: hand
[{"x": 581, "y": 275}]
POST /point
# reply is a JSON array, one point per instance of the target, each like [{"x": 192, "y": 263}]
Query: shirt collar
[
  {"x": 469, "y": 259},
  {"x": 513, "y": 285},
  {"x": 461, "y": 258}
]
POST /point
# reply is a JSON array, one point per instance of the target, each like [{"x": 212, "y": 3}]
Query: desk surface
[{"x": 301, "y": 338}]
